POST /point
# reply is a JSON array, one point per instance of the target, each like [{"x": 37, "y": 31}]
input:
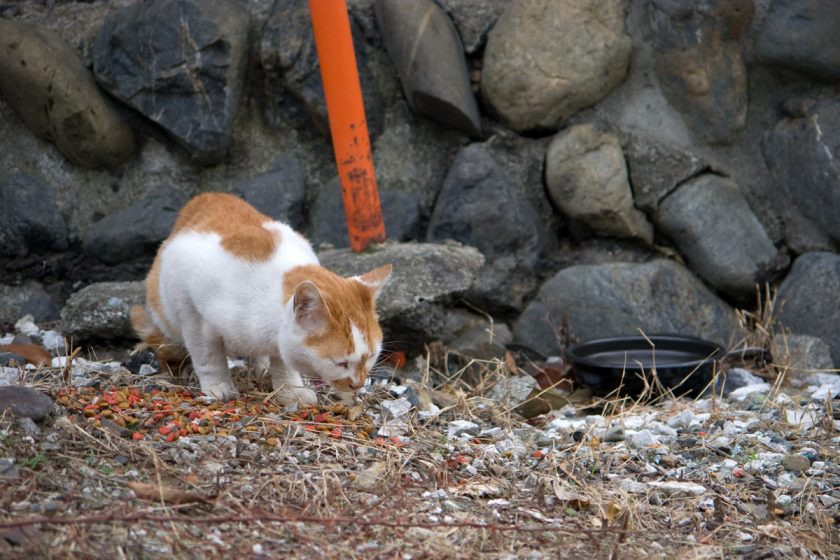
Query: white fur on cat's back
[{"x": 221, "y": 304}]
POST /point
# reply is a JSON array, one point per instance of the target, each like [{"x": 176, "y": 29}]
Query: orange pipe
[{"x": 331, "y": 25}]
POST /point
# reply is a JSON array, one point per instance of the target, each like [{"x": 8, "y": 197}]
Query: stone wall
[{"x": 619, "y": 164}]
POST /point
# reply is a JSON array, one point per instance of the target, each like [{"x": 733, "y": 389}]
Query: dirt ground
[{"x": 136, "y": 467}]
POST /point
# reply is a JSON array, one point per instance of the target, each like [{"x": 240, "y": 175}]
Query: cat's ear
[
  {"x": 310, "y": 310},
  {"x": 376, "y": 278}
]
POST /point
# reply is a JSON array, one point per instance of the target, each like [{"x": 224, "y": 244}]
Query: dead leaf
[
  {"x": 368, "y": 479},
  {"x": 569, "y": 498},
  {"x": 510, "y": 363},
  {"x": 354, "y": 412},
  {"x": 34, "y": 353},
  {"x": 21, "y": 536},
  {"x": 669, "y": 252},
  {"x": 476, "y": 490},
  {"x": 443, "y": 399},
  {"x": 155, "y": 493},
  {"x": 541, "y": 401},
  {"x": 612, "y": 513},
  {"x": 423, "y": 394}
]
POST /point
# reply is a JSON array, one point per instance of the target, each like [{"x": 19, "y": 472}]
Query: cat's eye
[{"x": 341, "y": 364}]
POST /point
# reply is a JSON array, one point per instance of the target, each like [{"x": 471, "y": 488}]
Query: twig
[
  {"x": 67, "y": 372},
  {"x": 273, "y": 518}
]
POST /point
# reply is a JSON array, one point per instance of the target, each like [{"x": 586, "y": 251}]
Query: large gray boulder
[
  {"x": 425, "y": 277},
  {"x": 429, "y": 57},
  {"x": 478, "y": 206},
  {"x": 523, "y": 160},
  {"x": 801, "y": 35},
  {"x": 293, "y": 86},
  {"x": 803, "y": 354},
  {"x": 135, "y": 231},
  {"x": 26, "y": 298},
  {"x": 656, "y": 169},
  {"x": 699, "y": 63},
  {"x": 412, "y": 155},
  {"x": 279, "y": 193},
  {"x": 713, "y": 226},
  {"x": 180, "y": 63},
  {"x": 474, "y": 18},
  {"x": 807, "y": 301},
  {"x": 55, "y": 95},
  {"x": 618, "y": 299},
  {"x": 400, "y": 212},
  {"x": 25, "y": 402},
  {"x": 101, "y": 311},
  {"x": 547, "y": 59},
  {"x": 587, "y": 179},
  {"x": 29, "y": 218},
  {"x": 801, "y": 151}
]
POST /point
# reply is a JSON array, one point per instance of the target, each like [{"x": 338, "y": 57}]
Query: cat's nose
[{"x": 354, "y": 383}]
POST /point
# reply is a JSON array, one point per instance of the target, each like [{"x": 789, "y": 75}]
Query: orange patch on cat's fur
[
  {"x": 238, "y": 223},
  {"x": 346, "y": 301}
]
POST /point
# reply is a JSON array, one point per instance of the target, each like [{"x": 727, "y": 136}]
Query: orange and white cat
[{"x": 230, "y": 281}]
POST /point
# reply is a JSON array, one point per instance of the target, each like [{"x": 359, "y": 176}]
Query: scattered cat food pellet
[{"x": 164, "y": 415}]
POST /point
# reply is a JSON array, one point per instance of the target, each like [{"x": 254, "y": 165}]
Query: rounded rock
[
  {"x": 181, "y": 63},
  {"x": 24, "y": 402},
  {"x": 586, "y": 176},
  {"x": 703, "y": 216},
  {"x": 796, "y": 463},
  {"x": 55, "y": 95},
  {"x": 618, "y": 299},
  {"x": 547, "y": 59}
]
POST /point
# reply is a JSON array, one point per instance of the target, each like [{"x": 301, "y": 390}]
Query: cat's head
[{"x": 340, "y": 328}]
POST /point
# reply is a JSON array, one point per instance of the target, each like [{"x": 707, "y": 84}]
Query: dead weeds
[{"x": 260, "y": 481}]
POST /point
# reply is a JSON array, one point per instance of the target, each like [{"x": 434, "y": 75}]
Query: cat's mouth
[{"x": 346, "y": 385}]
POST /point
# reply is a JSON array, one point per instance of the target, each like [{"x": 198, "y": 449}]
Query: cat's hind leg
[
  {"x": 171, "y": 357},
  {"x": 288, "y": 385},
  {"x": 207, "y": 351}
]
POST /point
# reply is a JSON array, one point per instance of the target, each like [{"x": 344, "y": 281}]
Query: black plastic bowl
[{"x": 683, "y": 364}]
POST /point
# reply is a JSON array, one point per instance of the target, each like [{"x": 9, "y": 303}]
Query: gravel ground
[{"x": 138, "y": 466}]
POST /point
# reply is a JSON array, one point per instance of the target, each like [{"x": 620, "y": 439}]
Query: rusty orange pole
[{"x": 331, "y": 25}]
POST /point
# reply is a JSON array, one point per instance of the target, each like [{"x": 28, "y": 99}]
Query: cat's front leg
[
  {"x": 209, "y": 361},
  {"x": 288, "y": 385}
]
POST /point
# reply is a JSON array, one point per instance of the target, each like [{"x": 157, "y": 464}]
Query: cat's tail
[{"x": 170, "y": 356}]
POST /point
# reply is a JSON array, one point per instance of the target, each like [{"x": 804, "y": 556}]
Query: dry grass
[{"x": 86, "y": 492}]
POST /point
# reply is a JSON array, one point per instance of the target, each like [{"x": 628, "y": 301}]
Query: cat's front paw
[
  {"x": 221, "y": 391},
  {"x": 296, "y": 395}
]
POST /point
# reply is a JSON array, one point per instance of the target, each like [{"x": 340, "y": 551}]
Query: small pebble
[
  {"x": 395, "y": 408},
  {"x": 25, "y": 402},
  {"x": 28, "y": 426},
  {"x": 828, "y": 501},
  {"x": 643, "y": 439},
  {"x": 458, "y": 427},
  {"x": 796, "y": 463},
  {"x": 8, "y": 470},
  {"x": 146, "y": 369},
  {"x": 783, "y": 501},
  {"x": 682, "y": 420},
  {"x": 615, "y": 435},
  {"x": 669, "y": 460}
]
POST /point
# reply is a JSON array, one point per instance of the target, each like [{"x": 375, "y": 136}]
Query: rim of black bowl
[{"x": 714, "y": 350}]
